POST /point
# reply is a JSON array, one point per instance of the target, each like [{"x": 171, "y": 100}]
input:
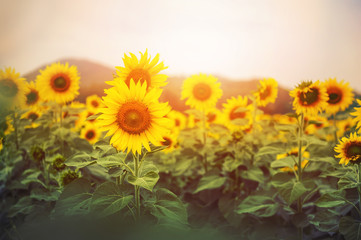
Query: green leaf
[
  {"x": 350, "y": 228},
  {"x": 254, "y": 174},
  {"x": 269, "y": 150},
  {"x": 313, "y": 140},
  {"x": 168, "y": 208},
  {"x": 330, "y": 160},
  {"x": 147, "y": 181},
  {"x": 111, "y": 161},
  {"x": 286, "y": 127},
  {"x": 347, "y": 182},
  {"x": 79, "y": 160},
  {"x": 93, "y": 117},
  {"x": 23, "y": 206},
  {"x": 284, "y": 162},
  {"x": 210, "y": 182},
  {"x": 75, "y": 199},
  {"x": 331, "y": 199},
  {"x": 325, "y": 220},
  {"x": 288, "y": 188},
  {"x": 261, "y": 206},
  {"x": 108, "y": 199}
]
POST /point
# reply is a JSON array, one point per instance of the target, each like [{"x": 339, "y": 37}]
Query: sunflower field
[{"x": 128, "y": 166}]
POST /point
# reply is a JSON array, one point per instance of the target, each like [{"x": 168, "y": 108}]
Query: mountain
[{"x": 93, "y": 76}]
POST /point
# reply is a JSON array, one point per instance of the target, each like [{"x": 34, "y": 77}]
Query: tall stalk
[
  {"x": 16, "y": 130},
  {"x": 335, "y": 128},
  {"x": 300, "y": 159},
  {"x": 61, "y": 126},
  {"x": 204, "y": 141},
  {"x": 359, "y": 187},
  {"x": 136, "y": 188}
]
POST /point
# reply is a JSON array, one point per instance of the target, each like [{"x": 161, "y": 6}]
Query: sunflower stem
[
  {"x": 204, "y": 141},
  {"x": 300, "y": 156},
  {"x": 359, "y": 187},
  {"x": 16, "y": 131},
  {"x": 136, "y": 188},
  {"x": 335, "y": 128},
  {"x": 61, "y": 126}
]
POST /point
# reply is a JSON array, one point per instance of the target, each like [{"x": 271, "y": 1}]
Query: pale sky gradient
[{"x": 289, "y": 40}]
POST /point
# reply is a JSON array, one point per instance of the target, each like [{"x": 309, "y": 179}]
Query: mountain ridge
[{"x": 94, "y": 75}]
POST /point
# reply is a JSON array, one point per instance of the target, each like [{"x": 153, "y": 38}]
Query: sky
[{"x": 287, "y": 40}]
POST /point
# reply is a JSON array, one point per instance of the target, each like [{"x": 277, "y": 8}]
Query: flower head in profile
[
  {"x": 58, "y": 82},
  {"x": 141, "y": 70},
  {"x": 12, "y": 88},
  {"x": 294, "y": 153},
  {"x": 340, "y": 95},
  {"x": 133, "y": 116},
  {"x": 357, "y": 115},
  {"x": 202, "y": 91},
  {"x": 267, "y": 92},
  {"x": 349, "y": 149},
  {"x": 32, "y": 95},
  {"x": 237, "y": 113},
  {"x": 91, "y": 133},
  {"x": 309, "y": 98},
  {"x": 93, "y": 102}
]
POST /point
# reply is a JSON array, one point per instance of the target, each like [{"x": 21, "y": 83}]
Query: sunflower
[
  {"x": 309, "y": 98},
  {"x": 202, "y": 91},
  {"x": 294, "y": 152},
  {"x": 315, "y": 123},
  {"x": 344, "y": 126},
  {"x": 91, "y": 133},
  {"x": 33, "y": 115},
  {"x": 6, "y": 126},
  {"x": 133, "y": 116},
  {"x": 170, "y": 140},
  {"x": 340, "y": 95},
  {"x": 1, "y": 144},
  {"x": 214, "y": 116},
  {"x": 93, "y": 102},
  {"x": 12, "y": 88},
  {"x": 58, "y": 82},
  {"x": 32, "y": 95},
  {"x": 178, "y": 120},
  {"x": 349, "y": 149},
  {"x": 267, "y": 92},
  {"x": 357, "y": 114},
  {"x": 237, "y": 114},
  {"x": 143, "y": 70}
]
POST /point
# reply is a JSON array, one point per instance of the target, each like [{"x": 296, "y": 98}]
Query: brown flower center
[
  {"x": 202, "y": 91},
  {"x": 167, "y": 141},
  {"x": 211, "y": 117},
  {"x": 90, "y": 134},
  {"x": 32, "y": 97},
  {"x": 134, "y": 117},
  {"x": 8, "y": 88},
  {"x": 60, "y": 82},
  {"x": 334, "y": 95},
  {"x": 265, "y": 93},
  {"x": 234, "y": 115},
  {"x": 177, "y": 122},
  {"x": 33, "y": 116},
  {"x": 353, "y": 150},
  {"x": 310, "y": 97},
  {"x": 138, "y": 75},
  {"x": 95, "y": 103}
]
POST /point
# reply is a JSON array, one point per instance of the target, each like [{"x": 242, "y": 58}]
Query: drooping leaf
[
  {"x": 350, "y": 228},
  {"x": 108, "y": 199},
  {"x": 261, "y": 206},
  {"x": 331, "y": 199},
  {"x": 210, "y": 182}
]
